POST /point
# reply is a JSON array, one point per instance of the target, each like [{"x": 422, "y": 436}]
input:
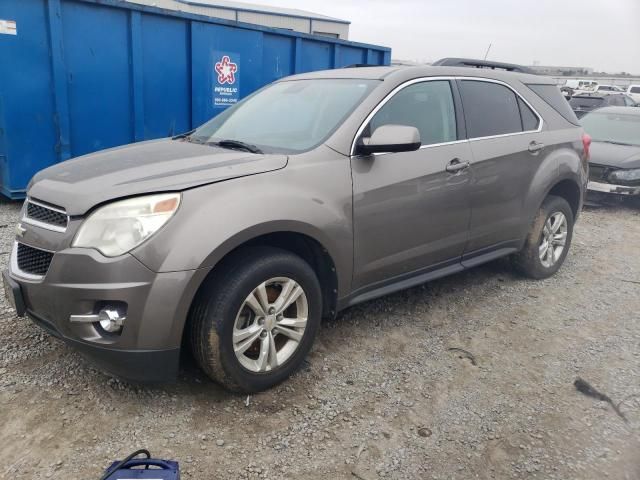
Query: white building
[{"x": 275, "y": 17}]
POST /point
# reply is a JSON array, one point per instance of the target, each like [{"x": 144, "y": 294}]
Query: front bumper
[
  {"x": 79, "y": 281},
  {"x": 611, "y": 188}
]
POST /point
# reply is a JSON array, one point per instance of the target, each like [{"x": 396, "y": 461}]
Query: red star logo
[{"x": 226, "y": 70}]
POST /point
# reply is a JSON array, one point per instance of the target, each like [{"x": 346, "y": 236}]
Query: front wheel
[
  {"x": 255, "y": 320},
  {"x": 548, "y": 241}
]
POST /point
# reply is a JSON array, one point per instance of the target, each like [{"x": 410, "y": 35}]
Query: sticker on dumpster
[
  {"x": 8, "y": 27},
  {"x": 226, "y": 71}
]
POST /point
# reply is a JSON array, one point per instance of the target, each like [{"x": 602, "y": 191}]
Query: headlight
[
  {"x": 121, "y": 226},
  {"x": 625, "y": 175}
]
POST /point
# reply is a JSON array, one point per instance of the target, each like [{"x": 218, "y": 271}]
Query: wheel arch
[
  {"x": 570, "y": 190},
  {"x": 289, "y": 237}
]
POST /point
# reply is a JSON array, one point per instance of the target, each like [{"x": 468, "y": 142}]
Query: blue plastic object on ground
[{"x": 84, "y": 75}]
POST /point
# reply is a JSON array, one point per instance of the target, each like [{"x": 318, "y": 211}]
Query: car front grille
[
  {"x": 33, "y": 260},
  {"x": 48, "y": 215}
]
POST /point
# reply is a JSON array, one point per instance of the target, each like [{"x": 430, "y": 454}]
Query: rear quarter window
[{"x": 553, "y": 97}]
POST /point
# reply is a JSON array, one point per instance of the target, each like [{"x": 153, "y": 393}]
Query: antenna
[{"x": 487, "y": 53}]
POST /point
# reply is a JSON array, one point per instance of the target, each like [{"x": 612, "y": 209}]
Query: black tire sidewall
[{"x": 242, "y": 282}]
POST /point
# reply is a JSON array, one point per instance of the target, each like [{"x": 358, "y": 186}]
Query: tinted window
[
  {"x": 489, "y": 109},
  {"x": 586, "y": 102},
  {"x": 551, "y": 95},
  {"x": 529, "y": 119},
  {"x": 635, "y": 90},
  {"x": 428, "y": 106},
  {"x": 617, "y": 101}
]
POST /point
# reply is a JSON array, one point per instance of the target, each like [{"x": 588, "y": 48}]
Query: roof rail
[{"x": 470, "y": 62}]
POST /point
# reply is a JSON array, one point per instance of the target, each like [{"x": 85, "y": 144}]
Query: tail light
[{"x": 586, "y": 144}]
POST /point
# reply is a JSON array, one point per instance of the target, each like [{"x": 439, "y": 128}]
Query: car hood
[
  {"x": 154, "y": 166},
  {"x": 612, "y": 155}
]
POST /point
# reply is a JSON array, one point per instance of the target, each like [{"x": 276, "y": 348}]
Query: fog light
[{"x": 110, "y": 320}]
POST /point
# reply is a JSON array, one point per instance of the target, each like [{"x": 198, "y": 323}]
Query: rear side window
[
  {"x": 529, "y": 119},
  {"x": 489, "y": 109},
  {"x": 551, "y": 94},
  {"x": 617, "y": 101},
  {"x": 586, "y": 102},
  {"x": 428, "y": 106}
]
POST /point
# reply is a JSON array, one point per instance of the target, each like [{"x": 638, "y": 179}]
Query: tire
[
  {"x": 221, "y": 313},
  {"x": 530, "y": 261}
]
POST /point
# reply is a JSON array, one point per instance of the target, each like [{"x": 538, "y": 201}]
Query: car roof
[
  {"x": 619, "y": 110},
  {"x": 402, "y": 73}
]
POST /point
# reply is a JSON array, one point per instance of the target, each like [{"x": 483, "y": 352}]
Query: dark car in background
[
  {"x": 614, "y": 166},
  {"x": 584, "y": 103}
]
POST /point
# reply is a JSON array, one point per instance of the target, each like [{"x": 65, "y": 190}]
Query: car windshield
[
  {"x": 287, "y": 117},
  {"x": 613, "y": 127}
]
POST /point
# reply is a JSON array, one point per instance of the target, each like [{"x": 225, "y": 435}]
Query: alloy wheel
[
  {"x": 270, "y": 324},
  {"x": 554, "y": 239}
]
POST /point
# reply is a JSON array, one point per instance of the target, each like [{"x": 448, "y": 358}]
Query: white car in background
[
  {"x": 634, "y": 92},
  {"x": 604, "y": 89}
]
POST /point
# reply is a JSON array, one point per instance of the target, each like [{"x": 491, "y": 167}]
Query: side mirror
[{"x": 390, "y": 138}]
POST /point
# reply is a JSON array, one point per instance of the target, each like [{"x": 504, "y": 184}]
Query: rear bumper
[{"x": 611, "y": 188}]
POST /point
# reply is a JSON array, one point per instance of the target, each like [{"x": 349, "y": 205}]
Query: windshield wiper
[{"x": 236, "y": 144}]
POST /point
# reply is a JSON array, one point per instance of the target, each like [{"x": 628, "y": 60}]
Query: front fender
[{"x": 215, "y": 219}]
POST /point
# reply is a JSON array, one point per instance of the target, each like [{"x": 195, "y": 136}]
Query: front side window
[
  {"x": 428, "y": 106},
  {"x": 489, "y": 109},
  {"x": 635, "y": 90},
  {"x": 288, "y": 117}
]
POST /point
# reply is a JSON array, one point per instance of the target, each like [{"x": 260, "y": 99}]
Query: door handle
[
  {"x": 456, "y": 165},
  {"x": 535, "y": 147}
]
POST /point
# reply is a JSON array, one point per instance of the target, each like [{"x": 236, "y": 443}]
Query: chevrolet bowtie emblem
[{"x": 20, "y": 230}]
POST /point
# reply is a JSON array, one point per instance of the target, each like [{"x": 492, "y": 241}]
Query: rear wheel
[
  {"x": 255, "y": 320},
  {"x": 548, "y": 241}
]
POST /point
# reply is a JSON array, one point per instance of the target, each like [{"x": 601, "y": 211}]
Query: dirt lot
[{"x": 382, "y": 394}]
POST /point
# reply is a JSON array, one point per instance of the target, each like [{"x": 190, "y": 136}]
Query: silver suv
[{"x": 317, "y": 192}]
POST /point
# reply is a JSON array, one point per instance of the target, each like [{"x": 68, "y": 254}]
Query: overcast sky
[{"x": 601, "y": 34}]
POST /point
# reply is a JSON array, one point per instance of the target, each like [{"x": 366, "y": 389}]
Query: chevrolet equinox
[{"x": 315, "y": 193}]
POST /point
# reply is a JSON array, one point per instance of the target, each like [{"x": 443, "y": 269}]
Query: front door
[{"x": 410, "y": 212}]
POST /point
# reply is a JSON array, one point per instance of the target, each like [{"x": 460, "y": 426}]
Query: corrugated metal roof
[{"x": 251, "y": 7}]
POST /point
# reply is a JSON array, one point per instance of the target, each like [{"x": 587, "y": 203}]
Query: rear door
[
  {"x": 505, "y": 138},
  {"x": 410, "y": 213}
]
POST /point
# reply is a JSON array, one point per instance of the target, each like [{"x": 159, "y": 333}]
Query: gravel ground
[{"x": 382, "y": 394}]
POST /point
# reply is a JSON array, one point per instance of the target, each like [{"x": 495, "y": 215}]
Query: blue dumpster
[{"x": 78, "y": 76}]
